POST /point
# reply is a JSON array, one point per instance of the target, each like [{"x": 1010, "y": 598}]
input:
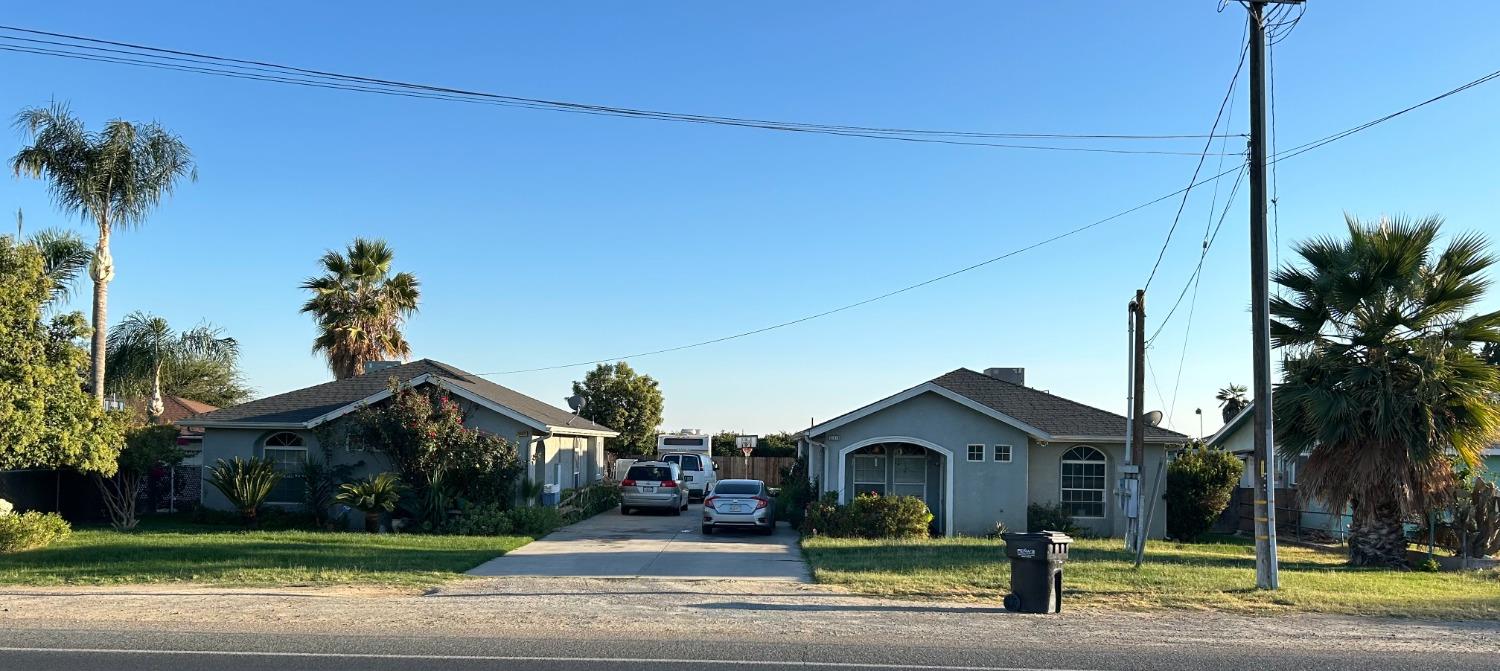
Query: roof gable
[
  {"x": 313, "y": 405},
  {"x": 1041, "y": 415}
]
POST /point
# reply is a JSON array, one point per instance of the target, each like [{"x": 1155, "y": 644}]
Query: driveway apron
[{"x": 646, "y": 545}]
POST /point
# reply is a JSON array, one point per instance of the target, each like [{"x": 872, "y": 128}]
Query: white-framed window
[
  {"x": 1002, "y": 454},
  {"x": 976, "y": 452},
  {"x": 869, "y": 474},
  {"x": 910, "y": 475},
  {"x": 288, "y": 453},
  {"x": 1083, "y": 482}
]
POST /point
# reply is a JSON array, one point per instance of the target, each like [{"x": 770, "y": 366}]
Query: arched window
[
  {"x": 287, "y": 451},
  {"x": 1083, "y": 473}
]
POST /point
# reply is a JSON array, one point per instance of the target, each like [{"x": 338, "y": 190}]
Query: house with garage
[
  {"x": 978, "y": 448},
  {"x": 560, "y": 448}
]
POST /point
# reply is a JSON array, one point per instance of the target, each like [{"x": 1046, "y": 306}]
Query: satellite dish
[
  {"x": 576, "y": 402},
  {"x": 1153, "y": 418}
]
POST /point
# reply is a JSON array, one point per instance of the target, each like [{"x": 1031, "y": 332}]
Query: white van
[{"x": 694, "y": 454}]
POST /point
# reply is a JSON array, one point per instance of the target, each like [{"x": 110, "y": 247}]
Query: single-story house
[
  {"x": 560, "y": 448},
  {"x": 1237, "y": 437},
  {"x": 978, "y": 448}
]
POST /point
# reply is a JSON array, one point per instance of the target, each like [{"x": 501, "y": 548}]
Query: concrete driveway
[{"x": 654, "y": 545}]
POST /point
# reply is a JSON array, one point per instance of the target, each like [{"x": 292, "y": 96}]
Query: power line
[
  {"x": 1223, "y": 104},
  {"x": 1208, "y": 244},
  {"x": 125, "y": 53},
  {"x": 1290, "y": 153},
  {"x": 872, "y": 299}
]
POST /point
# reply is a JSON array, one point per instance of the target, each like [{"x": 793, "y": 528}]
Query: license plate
[
  {"x": 648, "y": 490},
  {"x": 736, "y": 509},
  {"x": 687, "y": 478}
]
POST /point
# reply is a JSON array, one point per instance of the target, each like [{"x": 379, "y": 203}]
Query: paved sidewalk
[{"x": 646, "y": 545}]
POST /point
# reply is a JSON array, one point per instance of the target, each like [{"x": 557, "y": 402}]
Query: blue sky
[{"x": 547, "y": 238}]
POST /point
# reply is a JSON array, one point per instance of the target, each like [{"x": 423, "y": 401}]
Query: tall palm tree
[
  {"x": 64, "y": 256},
  {"x": 111, "y": 178},
  {"x": 360, "y": 307},
  {"x": 1232, "y": 400},
  {"x": 143, "y": 344},
  {"x": 1382, "y": 385}
]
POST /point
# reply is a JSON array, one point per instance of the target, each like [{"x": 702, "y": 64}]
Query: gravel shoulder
[{"x": 589, "y": 608}]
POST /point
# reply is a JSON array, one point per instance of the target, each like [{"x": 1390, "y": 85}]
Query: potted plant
[{"x": 372, "y": 496}]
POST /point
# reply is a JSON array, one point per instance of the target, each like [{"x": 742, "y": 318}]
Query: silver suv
[{"x": 653, "y": 484}]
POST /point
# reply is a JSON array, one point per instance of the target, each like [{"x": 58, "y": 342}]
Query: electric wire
[
  {"x": 1288, "y": 154},
  {"x": 1218, "y": 116}
]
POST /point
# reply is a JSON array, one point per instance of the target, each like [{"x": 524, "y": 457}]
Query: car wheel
[
  {"x": 768, "y": 531},
  {"x": 676, "y": 511},
  {"x": 708, "y": 530},
  {"x": 624, "y": 510}
]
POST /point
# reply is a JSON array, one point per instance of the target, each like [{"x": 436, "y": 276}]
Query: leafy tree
[
  {"x": 1490, "y": 352},
  {"x": 246, "y": 483},
  {"x": 146, "y": 447},
  {"x": 46, "y": 419},
  {"x": 621, "y": 399},
  {"x": 1381, "y": 379},
  {"x": 111, "y": 178},
  {"x": 360, "y": 307},
  {"x": 1199, "y": 484},
  {"x": 144, "y": 348},
  {"x": 779, "y": 444},
  {"x": 1232, "y": 400}
]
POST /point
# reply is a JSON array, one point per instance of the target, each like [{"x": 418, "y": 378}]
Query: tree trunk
[
  {"x": 372, "y": 521},
  {"x": 1376, "y": 537},
  {"x": 102, "y": 271},
  {"x": 119, "y": 493},
  {"x": 156, "y": 405}
]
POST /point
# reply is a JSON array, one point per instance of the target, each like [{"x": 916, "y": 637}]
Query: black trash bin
[{"x": 1036, "y": 570}]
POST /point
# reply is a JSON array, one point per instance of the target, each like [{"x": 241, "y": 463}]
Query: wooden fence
[{"x": 767, "y": 469}]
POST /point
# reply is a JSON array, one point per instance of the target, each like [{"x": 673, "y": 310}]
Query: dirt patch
[{"x": 783, "y": 612}]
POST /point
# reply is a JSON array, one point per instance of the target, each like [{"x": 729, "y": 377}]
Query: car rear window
[
  {"x": 649, "y": 473},
  {"x": 690, "y": 463},
  {"x": 737, "y": 488}
]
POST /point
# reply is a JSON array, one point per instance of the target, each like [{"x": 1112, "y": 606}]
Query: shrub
[
  {"x": 246, "y": 483},
  {"x": 585, "y": 502},
  {"x": 484, "y": 519},
  {"x": 373, "y": 495},
  {"x": 797, "y": 492},
  {"x": 869, "y": 516},
  {"x": 31, "y": 530},
  {"x": 1199, "y": 484},
  {"x": 322, "y": 481},
  {"x": 535, "y": 521},
  {"x": 1050, "y": 517},
  {"x": 146, "y": 447}
]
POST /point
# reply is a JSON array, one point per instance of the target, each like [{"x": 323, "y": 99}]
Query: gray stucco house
[
  {"x": 980, "y": 447},
  {"x": 560, "y": 448}
]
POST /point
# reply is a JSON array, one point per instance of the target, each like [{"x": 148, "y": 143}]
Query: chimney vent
[
  {"x": 1011, "y": 375},
  {"x": 376, "y": 366}
]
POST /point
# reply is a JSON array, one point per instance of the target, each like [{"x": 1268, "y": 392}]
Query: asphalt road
[{"x": 39, "y": 650}]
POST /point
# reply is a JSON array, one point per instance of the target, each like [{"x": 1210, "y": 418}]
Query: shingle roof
[
  {"x": 312, "y": 402},
  {"x": 1054, "y": 414}
]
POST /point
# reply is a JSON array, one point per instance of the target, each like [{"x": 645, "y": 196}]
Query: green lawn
[
  {"x": 1215, "y": 575},
  {"x": 215, "y": 555}
]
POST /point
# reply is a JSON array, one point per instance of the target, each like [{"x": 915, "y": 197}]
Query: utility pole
[
  {"x": 1135, "y": 536},
  {"x": 1266, "y": 576}
]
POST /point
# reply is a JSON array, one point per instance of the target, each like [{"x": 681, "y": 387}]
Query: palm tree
[
  {"x": 1382, "y": 385},
  {"x": 64, "y": 256},
  {"x": 142, "y": 345},
  {"x": 245, "y": 483},
  {"x": 360, "y": 307},
  {"x": 112, "y": 178},
  {"x": 1232, "y": 400},
  {"x": 373, "y": 495}
]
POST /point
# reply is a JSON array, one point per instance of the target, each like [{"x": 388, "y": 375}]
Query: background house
[
  {"x": 1237, "y": 437},
  {"x": 980, "y": 447},
  {"x": 559, "y": 448}
]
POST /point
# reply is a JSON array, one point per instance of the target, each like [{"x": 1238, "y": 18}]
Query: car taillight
[
  {"x": 627, "y": 483},
  {"x": 669, "y": 484},
  {"x": 709, "y": 502},
  {"x": 761, "y": 503}
]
